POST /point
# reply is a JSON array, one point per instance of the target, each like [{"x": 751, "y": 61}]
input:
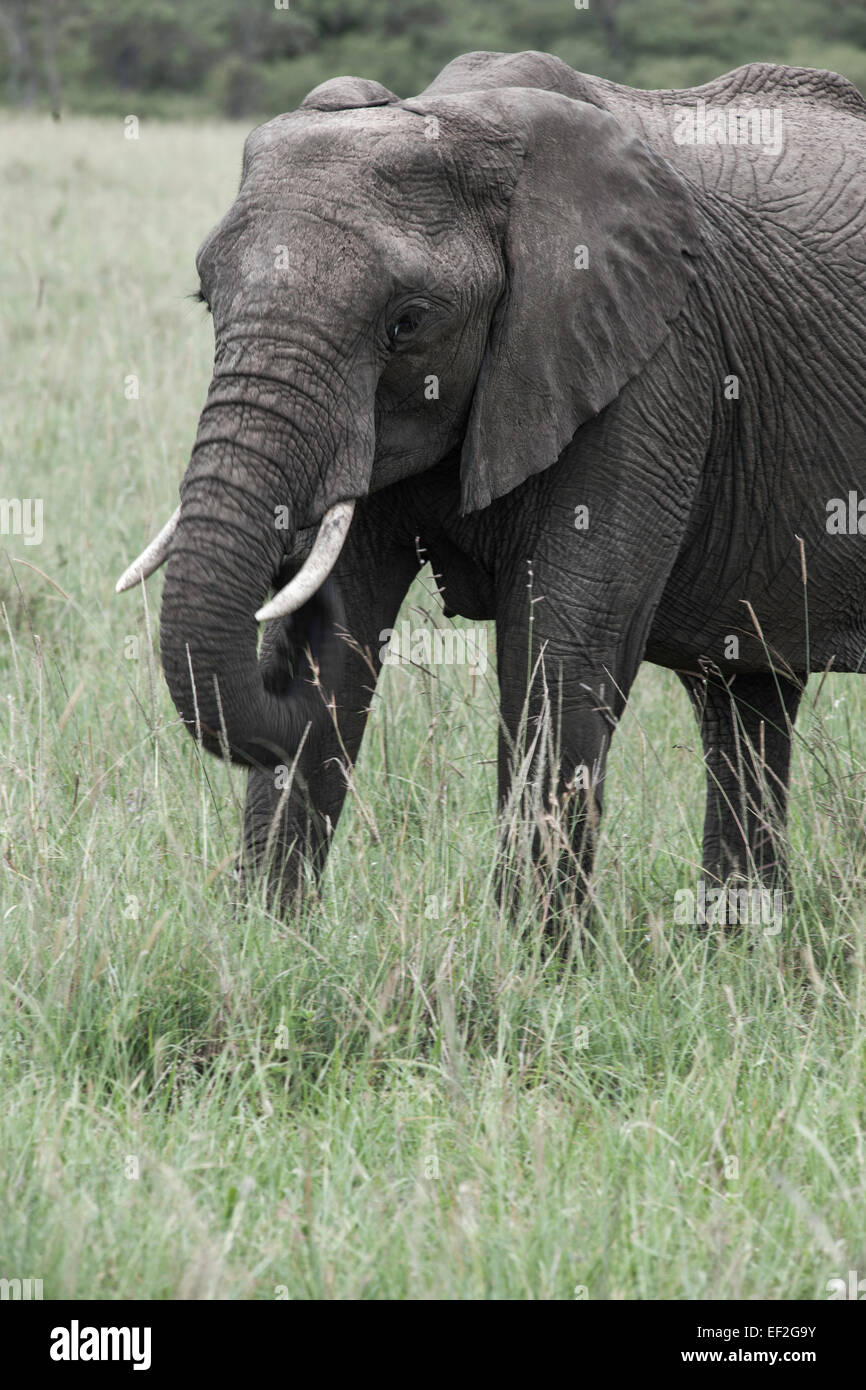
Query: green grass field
[{"x": 369, "y": 1100}]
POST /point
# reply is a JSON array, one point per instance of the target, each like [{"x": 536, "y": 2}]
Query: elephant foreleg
[
  {"x": 559, "y": 707},
  {"x": 572, "y": 629},
  {"x": 550, "y": 799},
  {"x": 292, "y": 811}
]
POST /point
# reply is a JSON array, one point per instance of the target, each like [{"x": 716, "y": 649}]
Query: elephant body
[{"x": 651, "y": 405}]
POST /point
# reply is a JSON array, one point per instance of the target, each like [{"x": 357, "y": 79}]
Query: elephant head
[{"x": 473, "y": 273}]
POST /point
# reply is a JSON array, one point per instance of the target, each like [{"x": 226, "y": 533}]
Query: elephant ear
[
  {"x": 347, "y": 93},
  {"x": 599, "y": 235}
]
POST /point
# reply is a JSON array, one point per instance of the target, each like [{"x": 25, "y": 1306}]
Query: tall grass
[{"x": 395, "y": 1093}]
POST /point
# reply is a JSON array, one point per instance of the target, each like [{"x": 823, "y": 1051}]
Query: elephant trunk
[
  {"x": 217, "y": 577},
  {"x": 235, "y": 527}
]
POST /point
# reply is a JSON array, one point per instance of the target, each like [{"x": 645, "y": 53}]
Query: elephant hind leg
[{"x": 746, "y": 725}]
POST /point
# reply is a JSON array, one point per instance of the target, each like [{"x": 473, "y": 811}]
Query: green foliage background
[{"x": 248, "y": 58}]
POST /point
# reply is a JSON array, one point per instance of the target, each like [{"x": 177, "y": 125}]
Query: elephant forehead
[
  {"x": 357, "y": 194},
  {"x": 387, "y": 144}
]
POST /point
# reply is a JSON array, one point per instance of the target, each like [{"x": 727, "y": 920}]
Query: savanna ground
[{"x": 369, "y": 1100}]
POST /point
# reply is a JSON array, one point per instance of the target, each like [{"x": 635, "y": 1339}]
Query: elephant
[{"x": 529, "y": 318}]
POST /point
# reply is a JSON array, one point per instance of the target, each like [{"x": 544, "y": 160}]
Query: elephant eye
[
  {"x": 201, "y": 298},
  {"x": 403, "y": 327}
]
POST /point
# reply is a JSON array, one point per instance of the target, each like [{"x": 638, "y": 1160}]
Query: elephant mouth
[
  {"x": 295, "y": 645},
  {"x": 300, "y": 589}
]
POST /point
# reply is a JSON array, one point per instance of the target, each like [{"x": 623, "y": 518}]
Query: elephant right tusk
[
  {"x": 151, "y": 558},
  {"x": 317, "y": 566}
]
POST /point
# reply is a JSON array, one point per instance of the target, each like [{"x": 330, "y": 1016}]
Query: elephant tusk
[
  {"x": 151, "y": 558},
  {"x": 317, "y": 566}
]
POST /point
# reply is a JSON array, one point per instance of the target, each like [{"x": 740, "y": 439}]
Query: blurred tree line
[{"x": 255, "y": 58}]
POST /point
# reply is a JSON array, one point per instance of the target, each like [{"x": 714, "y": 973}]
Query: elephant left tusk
[
  {"x": 151, "y": 558},
  {"x": 317, "y": 566}
]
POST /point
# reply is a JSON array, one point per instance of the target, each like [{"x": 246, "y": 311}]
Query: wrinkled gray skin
[{"x": 603, "y": 387}]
